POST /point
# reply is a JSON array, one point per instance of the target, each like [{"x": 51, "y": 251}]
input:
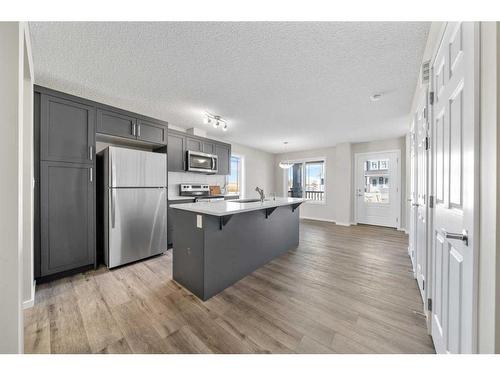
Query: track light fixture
[{"x": 216, "y": 121}]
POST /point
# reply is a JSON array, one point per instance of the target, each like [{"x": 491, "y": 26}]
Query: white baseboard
[
  {"x": 328, "y": 221},
  {"x": 343, "y": 224},
  {"x": 317, "y": 219},
  {"x": 30, "y": 302}
]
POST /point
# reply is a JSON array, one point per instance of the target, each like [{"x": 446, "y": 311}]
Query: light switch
[{"x": 199, "y": 222}]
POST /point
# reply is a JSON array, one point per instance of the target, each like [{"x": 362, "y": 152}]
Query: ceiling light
[
  {"x": 376, "y": 97},
  {"x": 286, "y": 164},
  {"x": 215, "y": 120}
]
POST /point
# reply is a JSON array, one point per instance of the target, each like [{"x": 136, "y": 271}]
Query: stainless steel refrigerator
[{"x": 135, "y": 205}]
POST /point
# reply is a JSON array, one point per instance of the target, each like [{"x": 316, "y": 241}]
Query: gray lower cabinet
[
  {"x": 223, "y": 153},
  {"x": 116, "y": 124},
  {"x": 176, "y": 152},
  {"x": 67, "y": 216},
  {"x": 67, "y": 130},
  {"x": 170, "y": 216}
]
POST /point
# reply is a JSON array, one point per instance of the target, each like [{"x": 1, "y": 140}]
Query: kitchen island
[{"x": 218, "y": 243}]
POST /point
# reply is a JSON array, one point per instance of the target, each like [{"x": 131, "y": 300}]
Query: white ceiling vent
[{"x": 426, "y": 69}]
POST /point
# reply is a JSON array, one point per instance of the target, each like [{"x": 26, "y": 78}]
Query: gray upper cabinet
[
  {"x": 194, "y": 144},
  {"x": 67, "y": 130},
  {"x": 67, "y": 217},
  {"x": 208, "y": 148},
  {"x": 179, "y": 143},
  {"x": 150, "y": 132},
  {"x": 223, "y": 153},
  {"x": 176, "y": 152},
  {"x": 117, "y": 124}
]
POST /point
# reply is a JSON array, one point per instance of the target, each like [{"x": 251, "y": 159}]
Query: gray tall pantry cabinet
[{"x": 65, "y": 131}]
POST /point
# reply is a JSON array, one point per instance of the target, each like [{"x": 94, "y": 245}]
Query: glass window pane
[
  {"x": 315, "y": 180},
  {"x": 233, "y": 180},
  {"x": 377, "y": 181}
]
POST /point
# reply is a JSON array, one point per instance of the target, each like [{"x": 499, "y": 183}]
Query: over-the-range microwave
[{"x": 201, "y": 162}]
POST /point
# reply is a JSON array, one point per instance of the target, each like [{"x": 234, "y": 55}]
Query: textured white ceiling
[{"x": 308, "y": 83}]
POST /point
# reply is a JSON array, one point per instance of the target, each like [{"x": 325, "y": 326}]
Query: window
[
  {"x": 377, "y": 181},
  {"x": 234, "y": 181},
  {"x": 306, "y": 179}
]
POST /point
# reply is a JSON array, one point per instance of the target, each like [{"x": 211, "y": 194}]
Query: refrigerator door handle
[{"x": 113, "y": 204}]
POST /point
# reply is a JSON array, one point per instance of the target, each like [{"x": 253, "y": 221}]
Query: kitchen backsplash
[{"x": 176, "y": 178}]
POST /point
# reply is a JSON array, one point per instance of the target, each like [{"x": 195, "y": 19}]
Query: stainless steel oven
[{"x": 201, "y": 162}]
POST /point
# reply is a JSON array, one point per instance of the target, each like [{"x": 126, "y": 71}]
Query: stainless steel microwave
[{"x": 201, "y": 162}]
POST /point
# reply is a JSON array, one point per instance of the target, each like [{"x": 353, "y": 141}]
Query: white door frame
[
  {"x": 411, "y": 198},
  {"x": 357, "y": 155},
  {"x": 423, "y": 202},
  {"x": 432, "y": 187}
]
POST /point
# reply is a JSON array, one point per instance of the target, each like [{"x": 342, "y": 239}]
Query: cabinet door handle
[
  {"x": 90, "y": 174},
  {"x": 138, "y": 130},
  {"x": 133, "y": 129},
  {"x": 91, "y": 152}
]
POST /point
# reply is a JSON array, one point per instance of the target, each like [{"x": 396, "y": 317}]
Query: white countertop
[{"x": 223, "y": 208}]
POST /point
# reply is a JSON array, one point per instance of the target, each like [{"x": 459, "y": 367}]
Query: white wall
[
  {"x": 259, "y": 169},
  {"x": 339, "y": 207},
  {"x": 489, "y": 227},
  {"x": 343, "y": 183},
  {"x": 11, "y": 188},
  {"x": 28, "y": 175}
]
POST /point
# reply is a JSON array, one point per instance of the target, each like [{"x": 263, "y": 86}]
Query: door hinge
[
  {"x": 431, "y": 97},
  {"x": 427, "y": 143},
  {"x": 431, "y": 201},
  {"x": 429, "y": 304}
]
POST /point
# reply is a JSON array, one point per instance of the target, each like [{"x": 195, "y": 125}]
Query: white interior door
[
  {"x": 420, "y": 204},
  {"x": 454, "y": 138},
  {"x": 378, "y": 200}
]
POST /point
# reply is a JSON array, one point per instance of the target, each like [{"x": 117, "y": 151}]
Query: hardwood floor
[{"x": 343, "y": 290}]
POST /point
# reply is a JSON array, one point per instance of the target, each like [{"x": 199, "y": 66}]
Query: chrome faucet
[{"x": 261, "y": 193}]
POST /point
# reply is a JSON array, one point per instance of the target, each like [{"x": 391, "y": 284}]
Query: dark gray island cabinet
[{"x": 218, "y": 243}]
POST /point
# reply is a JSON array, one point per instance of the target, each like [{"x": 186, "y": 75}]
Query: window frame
[
  {"x": 303, "y": 161},
  {"x": 241, "y": 179}
]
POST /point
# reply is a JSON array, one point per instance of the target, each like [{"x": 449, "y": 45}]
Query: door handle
[
  {"x": 112, "y": 208},
  {"x": 91, "y": 178},
  {"x": 138, "y": 130},
  {"x": 415, "y": 204},
  {"x": 133, "y": 129},
  {"x": 464, "y": 236},
  {"x": 91, "y": 152}
]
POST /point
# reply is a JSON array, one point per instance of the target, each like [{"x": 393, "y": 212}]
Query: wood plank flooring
[{"x": 343, "y": 290}]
